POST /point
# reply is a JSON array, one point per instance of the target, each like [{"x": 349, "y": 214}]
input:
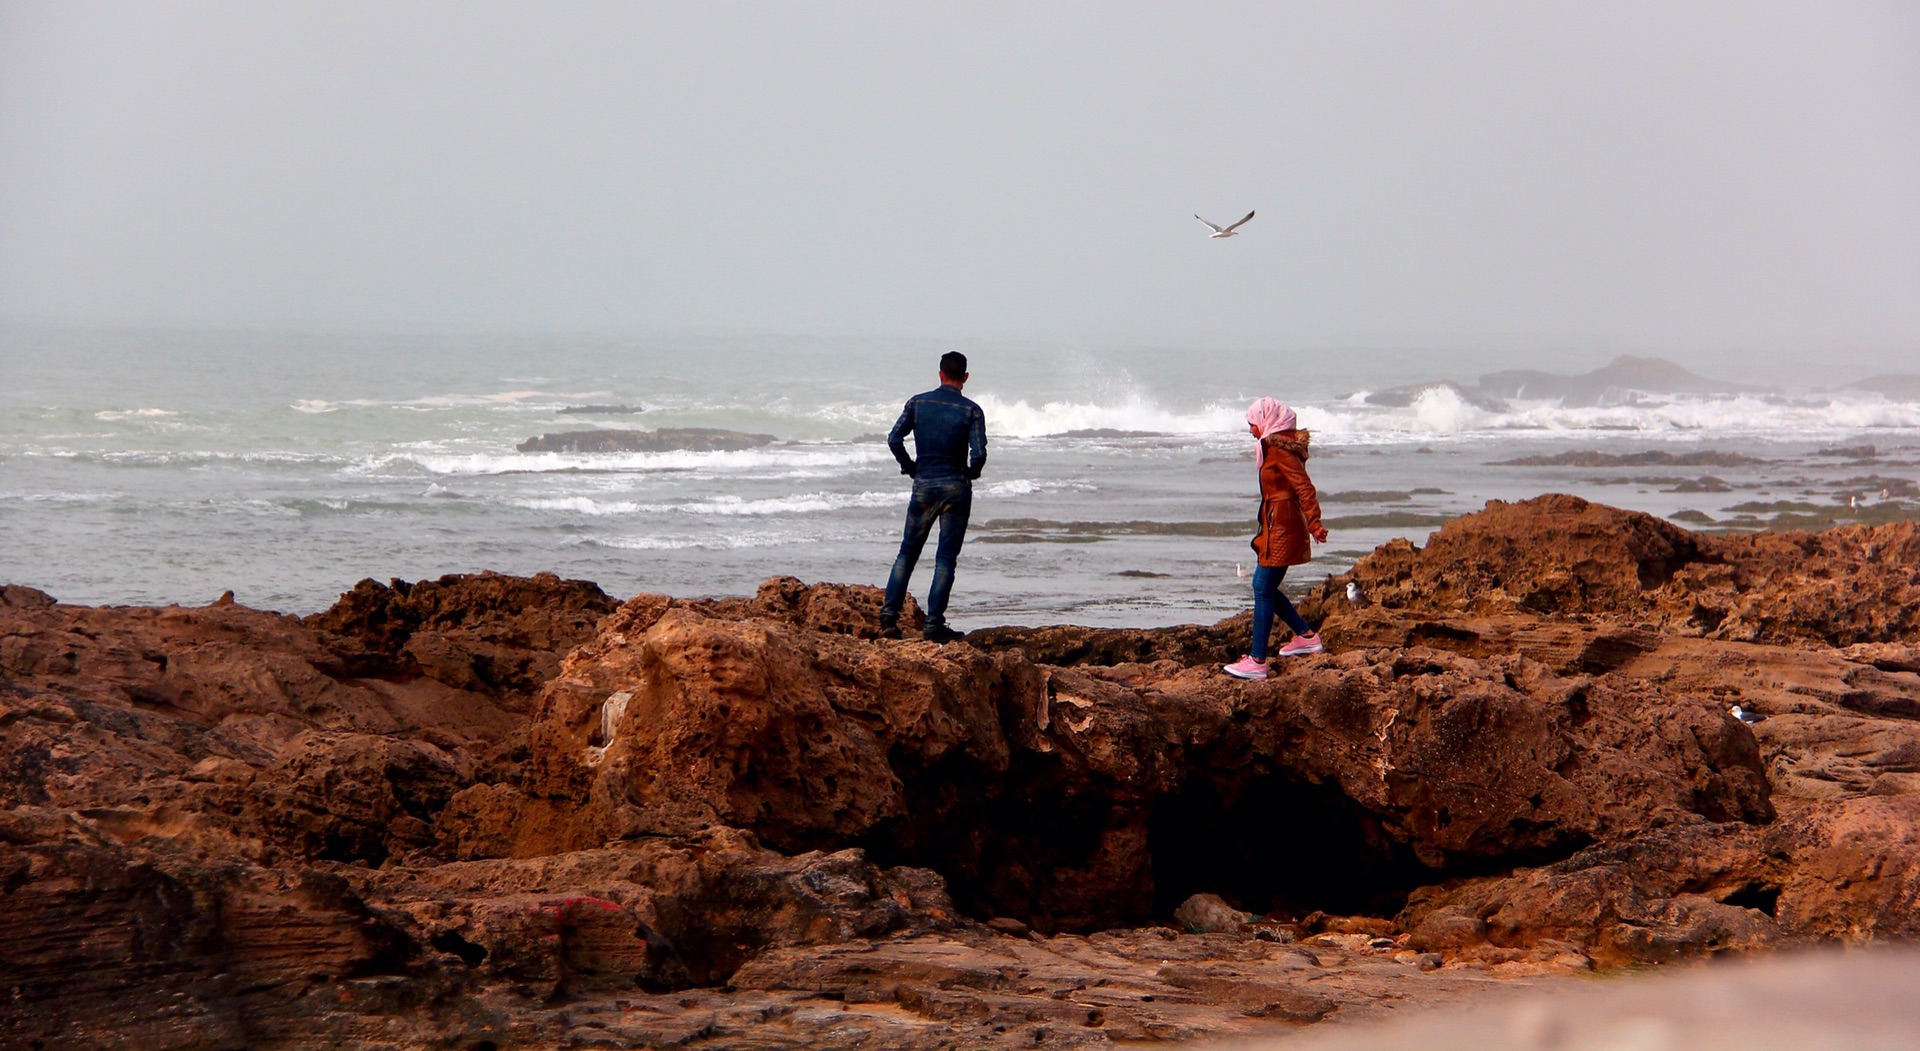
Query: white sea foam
[
  {"x": 733, "y": 506},
  {"x": 711, "y": 542},
  {"x": 187, "y": 457},
  {"x": 511, "y": 398},
  {"x": 1030, "y": 486},
  {"x": 250, "y": 508},
  {"x": 1021, "y": 419},
  {"x": 322, "y": 405},
  {"x": 864, "y": 417},
  {"x": 527, "y": 400},
  {"x": 57, "y": 498},
  {"x": 781, "y": 460},
  {"x": 449, "y": 401},
  {"x": 1442, "y": 412},
  {"x": 129, "y": 414}
]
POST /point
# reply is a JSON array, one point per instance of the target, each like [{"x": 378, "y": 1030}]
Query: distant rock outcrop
[
  {"x": 1621, "y": 381},
  {"x": 1898, "y": 386},
  {"x": 601, "y": 410},
  {"x": 1616, "y": 382},
  {"x": 1648, "y": 458},
  {"x": 666, "y": 439}
]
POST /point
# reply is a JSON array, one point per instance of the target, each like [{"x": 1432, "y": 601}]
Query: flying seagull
[{"x": 1224, "y": 231}]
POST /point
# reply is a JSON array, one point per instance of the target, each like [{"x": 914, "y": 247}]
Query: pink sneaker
[
  {"x": 1246, "y": 668},
  {"x": 1301, "y": 645}
]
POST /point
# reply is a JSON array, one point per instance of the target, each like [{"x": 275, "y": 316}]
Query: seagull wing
[
  {"x": 1235, "y": 226},
  {"x": 1212, "y": 227}
]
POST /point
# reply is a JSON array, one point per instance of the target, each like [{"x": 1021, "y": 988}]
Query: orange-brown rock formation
[{"x": 500, "y": 812}]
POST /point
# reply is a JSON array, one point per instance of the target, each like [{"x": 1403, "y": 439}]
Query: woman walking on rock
[{"x": 1289, "y": 514}]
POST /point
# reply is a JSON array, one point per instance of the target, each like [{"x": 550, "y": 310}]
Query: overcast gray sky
[{"x": 1663, "y": 174}]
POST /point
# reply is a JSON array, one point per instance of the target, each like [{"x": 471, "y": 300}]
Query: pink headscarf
[{"x": 1269, "y": 417}]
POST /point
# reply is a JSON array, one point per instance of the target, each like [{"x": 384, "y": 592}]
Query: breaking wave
[
  {"x": 538, "y": 400},
  {"x": 722, "y": 542},
  {"x": 1442, "y": 411},
  {"x": 1135, "y": 413},
  {"x": 808, "y": 503},
  {"x": 789, "y": 459},
  {"x": 127, "y": 414}
]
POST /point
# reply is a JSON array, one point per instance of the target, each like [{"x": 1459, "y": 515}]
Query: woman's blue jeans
[
  {"x": 946, "y": 502},
  {"x": 1267, "y": 600}
]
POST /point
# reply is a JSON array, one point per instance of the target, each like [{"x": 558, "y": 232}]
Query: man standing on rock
[{"x": 950, "y": 440}]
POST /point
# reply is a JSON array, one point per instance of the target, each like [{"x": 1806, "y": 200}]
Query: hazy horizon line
[{"x": 1140, "y": 341}]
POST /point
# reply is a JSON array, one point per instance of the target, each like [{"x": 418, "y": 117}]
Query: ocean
[{"x": 167, "y": 466}]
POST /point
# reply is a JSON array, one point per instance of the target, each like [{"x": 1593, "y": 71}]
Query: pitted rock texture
[
  {"x": 1563, "y": 557},
  {"x": 486, "y": 633},
  {"x": 1832, "y": 680},
  {"x": 214, "y": 835},
  {"x": 1045, "y": 793},
  {"x": 509, "y": 812}
]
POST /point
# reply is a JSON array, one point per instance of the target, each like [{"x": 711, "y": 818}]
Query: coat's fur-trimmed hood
[{"x": 1295, "y": 442}]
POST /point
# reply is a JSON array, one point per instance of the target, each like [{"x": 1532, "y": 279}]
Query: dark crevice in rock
[
  {"x": 352, "y": 846},
  {"x": 1280, "y": 846},
  {"x": 1764, "y": 897},
  {"x": 1012, "y": 853},
  {"x": 1020, "y": 845},
  {"x": 1068, "y": 646},
  {"x": 390, "y": 953},
  {"x": 469, "y": 953}
]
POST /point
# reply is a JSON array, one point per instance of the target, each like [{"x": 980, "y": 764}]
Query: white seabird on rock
[
  {"x": 1745, "y": 716},
  {"x": 1223, "y": 231},
  {"x": 1354, "y": 594}
]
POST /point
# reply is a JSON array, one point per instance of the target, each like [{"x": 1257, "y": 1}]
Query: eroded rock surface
[
  {"x": 1089, "y": 797},
  {"x": 1562, "y": 557},
  {"x": 507, "y": 812}
]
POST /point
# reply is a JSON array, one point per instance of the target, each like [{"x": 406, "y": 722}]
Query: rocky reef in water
[{"x": 499, "y": 812}]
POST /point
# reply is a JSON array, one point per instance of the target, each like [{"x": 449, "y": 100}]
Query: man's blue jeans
[{"x": 948, "y": 502}]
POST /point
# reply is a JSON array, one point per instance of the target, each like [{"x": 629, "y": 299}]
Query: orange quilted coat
[{"x": 1289, "y": 507}]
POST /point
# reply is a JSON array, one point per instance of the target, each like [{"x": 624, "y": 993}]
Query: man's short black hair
[{"x": 953, "y": 365}]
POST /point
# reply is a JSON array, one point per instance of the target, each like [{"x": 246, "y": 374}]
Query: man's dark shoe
[
  {"x": 942, "y": 633},
  {"x": 889, "y": 628}
]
